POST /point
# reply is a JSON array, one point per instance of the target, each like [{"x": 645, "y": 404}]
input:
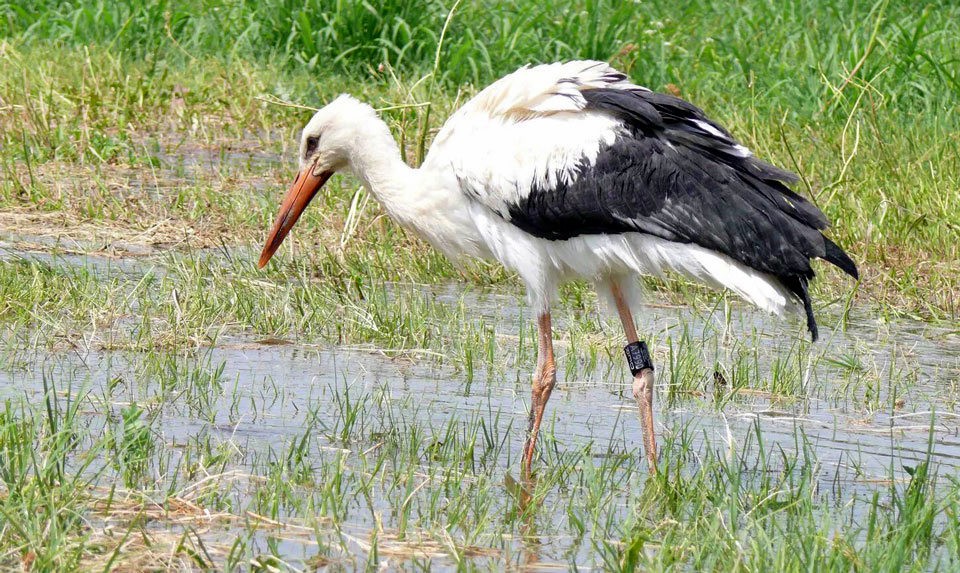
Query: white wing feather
[
  {"x": 528, "y": 127},
  {"x": 545, "y": 89}
]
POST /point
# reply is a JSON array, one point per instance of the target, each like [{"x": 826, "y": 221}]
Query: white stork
[{"x": 568, "y": 170}]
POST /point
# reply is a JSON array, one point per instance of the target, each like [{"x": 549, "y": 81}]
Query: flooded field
[
  {"x": 306, "y": 453},
  {"x": 361, "y": 402}
]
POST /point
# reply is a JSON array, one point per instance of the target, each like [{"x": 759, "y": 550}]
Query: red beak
[{"x": 304, "y": 187}]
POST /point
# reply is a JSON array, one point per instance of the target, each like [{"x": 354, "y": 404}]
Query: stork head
[{"x": 324, "y": 150}]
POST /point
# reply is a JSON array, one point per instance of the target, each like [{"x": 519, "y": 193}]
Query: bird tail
[
  {"x": 834, "y": 254},
  {"x": 799, "y": 286}
]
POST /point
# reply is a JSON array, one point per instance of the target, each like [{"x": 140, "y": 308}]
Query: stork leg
[
  {"x": 543, "y": 381},
  {"x": 641, "y": 366}
]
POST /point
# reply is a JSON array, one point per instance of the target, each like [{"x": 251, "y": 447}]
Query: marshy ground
[{"x": 361, "y": 402}]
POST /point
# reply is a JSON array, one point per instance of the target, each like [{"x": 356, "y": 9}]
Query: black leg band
[{"x": 638, "y": 357}]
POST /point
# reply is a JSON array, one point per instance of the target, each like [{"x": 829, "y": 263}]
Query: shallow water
[{"x": 870, "y": 401}]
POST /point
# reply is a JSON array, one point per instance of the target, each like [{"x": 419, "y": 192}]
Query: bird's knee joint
[
  {"x": 643, "y": 385},
  {"x": 549, "y": 379},
  {"x": 545, "y": 379},
  {"x": 638, "y": 357}
]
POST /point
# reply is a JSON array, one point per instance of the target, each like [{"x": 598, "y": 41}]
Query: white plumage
[{"x": 568, "y": 170}]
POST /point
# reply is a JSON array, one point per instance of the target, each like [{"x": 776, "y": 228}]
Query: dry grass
[{"x": 64, "y": 232}]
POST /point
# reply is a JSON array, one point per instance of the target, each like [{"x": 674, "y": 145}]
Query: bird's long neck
[
  {"x": 375, "y": 159},
  {"x": 422, "y": 200}
]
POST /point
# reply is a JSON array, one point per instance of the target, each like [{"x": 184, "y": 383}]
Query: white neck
[
  {"x": 375, "y": 160},
  {"x": 421, "y": 200}
]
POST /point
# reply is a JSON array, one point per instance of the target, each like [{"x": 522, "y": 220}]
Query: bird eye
[{"x": 312, "y": 143}]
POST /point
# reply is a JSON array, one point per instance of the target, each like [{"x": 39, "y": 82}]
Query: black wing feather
[{"x": 674, "y": 178}]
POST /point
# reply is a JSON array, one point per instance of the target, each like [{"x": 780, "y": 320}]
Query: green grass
[
  {"x": 361, "y": 400},
  {"x": 863, "y": 105}
]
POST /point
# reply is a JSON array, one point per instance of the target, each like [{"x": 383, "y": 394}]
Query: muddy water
[{"x": 873, "y": 399}]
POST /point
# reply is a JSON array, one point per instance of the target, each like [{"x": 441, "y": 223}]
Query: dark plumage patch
[{"x": 673, "y": 178}]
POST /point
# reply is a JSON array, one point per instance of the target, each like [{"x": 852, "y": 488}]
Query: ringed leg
[
  {"x": 641, "y": 366},
  {"x": 544, "y": 379}
]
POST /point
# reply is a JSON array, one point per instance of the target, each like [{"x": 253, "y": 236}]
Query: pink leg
[
  {"x": 543, "y": 381},
  {"x": 643, "y": 378}
]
